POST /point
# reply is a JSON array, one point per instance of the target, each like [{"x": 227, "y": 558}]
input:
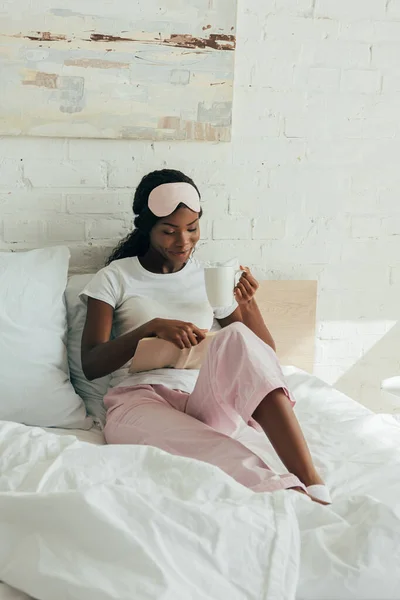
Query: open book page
[{"x": 154, "y": 353}]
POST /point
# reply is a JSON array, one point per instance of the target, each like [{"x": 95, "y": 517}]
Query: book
[{"x": 155, "y": 353}]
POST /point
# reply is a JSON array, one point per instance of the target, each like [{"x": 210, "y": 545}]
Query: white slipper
[{"x": 319, "y": 492}]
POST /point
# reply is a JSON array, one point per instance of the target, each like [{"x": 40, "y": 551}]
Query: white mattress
[{"x": 350, "y": 550}]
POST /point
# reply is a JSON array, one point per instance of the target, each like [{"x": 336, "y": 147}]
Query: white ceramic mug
[{"x": 220, "y": 284}]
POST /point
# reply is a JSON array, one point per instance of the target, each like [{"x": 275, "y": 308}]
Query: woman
[{"x": 152, "y": 286}]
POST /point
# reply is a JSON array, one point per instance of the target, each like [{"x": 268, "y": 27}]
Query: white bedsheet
[
  {"x": 93, "y": 436},
  {"x": 93, "y": 522}
]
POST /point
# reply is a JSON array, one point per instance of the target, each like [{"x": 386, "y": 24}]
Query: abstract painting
[{"x": 139, "y": 69}]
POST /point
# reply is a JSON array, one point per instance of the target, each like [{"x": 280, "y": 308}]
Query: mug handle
[{"x": 238, "y": 275}]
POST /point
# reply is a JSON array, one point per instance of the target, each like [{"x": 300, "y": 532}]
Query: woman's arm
[
  {"x": 248, "y": 312},
  {"x": 100, "y": 356}
]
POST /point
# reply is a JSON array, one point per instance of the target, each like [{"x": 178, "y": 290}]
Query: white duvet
[{"x": 88, "y": 522}]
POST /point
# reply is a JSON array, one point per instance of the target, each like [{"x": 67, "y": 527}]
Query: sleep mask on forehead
[{"x": 165, "y": 198}]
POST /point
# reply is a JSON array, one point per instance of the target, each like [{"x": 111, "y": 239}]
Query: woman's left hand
[{"x": 246, "y": 288}]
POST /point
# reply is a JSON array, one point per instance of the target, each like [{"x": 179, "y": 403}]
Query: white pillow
[
  {"x": 34, "y": 378},
  {"x": 92, "y": 392}
]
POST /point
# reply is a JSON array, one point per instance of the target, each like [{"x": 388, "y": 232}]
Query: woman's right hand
[{"x": 180, "y": 333}]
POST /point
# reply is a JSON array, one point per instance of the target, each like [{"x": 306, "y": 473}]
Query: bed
[{"x": 85, "y": 521}]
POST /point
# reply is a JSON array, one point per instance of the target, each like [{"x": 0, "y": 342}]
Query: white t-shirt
[{"x": 138, "y": 296}]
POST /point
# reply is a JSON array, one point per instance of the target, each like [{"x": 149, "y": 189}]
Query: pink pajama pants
[{"x": 238, "y": 372}]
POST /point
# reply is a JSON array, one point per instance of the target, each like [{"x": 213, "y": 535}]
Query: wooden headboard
[{"x": 289, "y": 310}]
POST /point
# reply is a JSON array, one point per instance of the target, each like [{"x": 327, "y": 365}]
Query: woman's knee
[
  {"x": 237, "y": 343},
  {"x": 238, "y": 330},
  {"x": 239, "y": 334}
]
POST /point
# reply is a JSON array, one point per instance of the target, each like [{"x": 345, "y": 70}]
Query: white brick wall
[
  {"x": 41, "y": 173},
  {"x": 10, "y": 173},
  {"x": 309, "y": 187},
  {"x": 229, "y": 228}
]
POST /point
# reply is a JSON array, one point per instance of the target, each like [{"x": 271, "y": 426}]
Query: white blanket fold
[
  {"x": 102, "y": 523},
  {"x": 83, "y": 522}
]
